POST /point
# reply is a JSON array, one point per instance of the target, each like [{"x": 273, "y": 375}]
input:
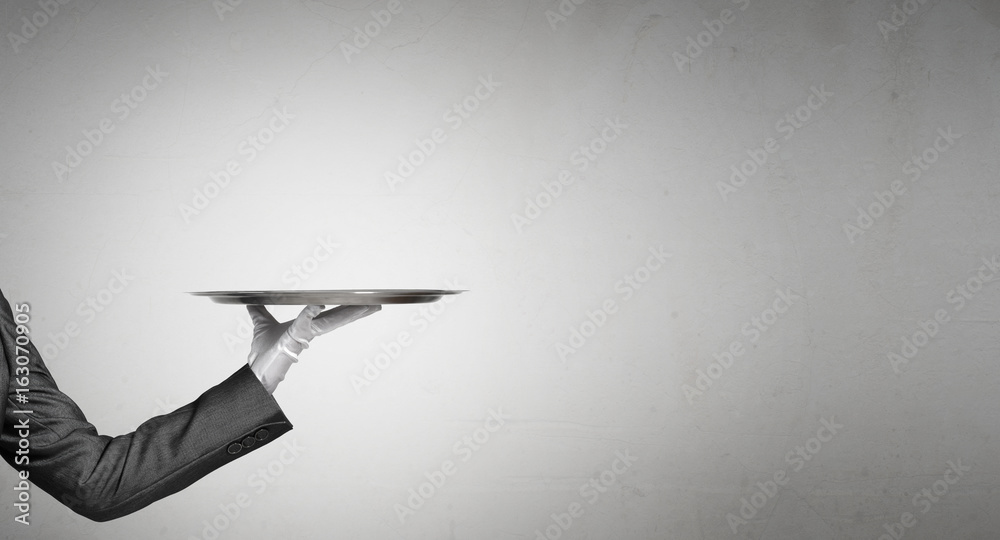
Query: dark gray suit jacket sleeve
[{"x": 102, "y": 477}]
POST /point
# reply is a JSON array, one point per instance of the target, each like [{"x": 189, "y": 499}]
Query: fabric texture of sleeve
[{"x": 102, "y": 477}]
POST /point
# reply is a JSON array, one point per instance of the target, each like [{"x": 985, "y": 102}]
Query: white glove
[{"x": 276, "y": 346}]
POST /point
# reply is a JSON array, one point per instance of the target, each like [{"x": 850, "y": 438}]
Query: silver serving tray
[{"x": 345, "y": 297}]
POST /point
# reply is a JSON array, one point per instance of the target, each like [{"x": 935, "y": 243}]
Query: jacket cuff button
[
  {"x": 234, "y": 448},
  {"x": 261, "y": 434}
]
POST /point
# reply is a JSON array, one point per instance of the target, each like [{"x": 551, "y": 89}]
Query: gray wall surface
[{"x": 731, "y": 263}]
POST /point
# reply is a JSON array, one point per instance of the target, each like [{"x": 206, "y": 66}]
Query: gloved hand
[{"x": 276, "y": 346}]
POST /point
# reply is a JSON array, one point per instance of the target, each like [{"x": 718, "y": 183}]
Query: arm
[{"x": 103, "y": 477}]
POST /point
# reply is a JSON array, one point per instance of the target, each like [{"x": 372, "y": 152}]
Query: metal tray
[{"x": 345, "y": 297}]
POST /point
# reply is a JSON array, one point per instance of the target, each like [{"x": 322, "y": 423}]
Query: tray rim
[
  {"x": 330, "y": 291},
  {"x": 294, "y": 297}
]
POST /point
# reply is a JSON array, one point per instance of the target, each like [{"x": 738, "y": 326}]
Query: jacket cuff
[{"x": 256, "y": 417}]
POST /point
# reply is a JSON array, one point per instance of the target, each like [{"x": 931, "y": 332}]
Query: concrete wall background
[{"x": 892, "y": 75}]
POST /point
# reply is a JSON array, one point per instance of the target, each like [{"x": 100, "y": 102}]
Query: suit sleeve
[{"x": 103, "y": 477}]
